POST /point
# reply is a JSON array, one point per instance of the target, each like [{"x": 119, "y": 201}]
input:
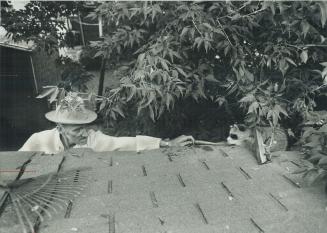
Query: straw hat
[
  {"x": 71, "y": 117},
  {"x": 71, "y": 110}
]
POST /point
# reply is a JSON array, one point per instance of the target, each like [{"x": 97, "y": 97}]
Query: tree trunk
[
  {"x": 102, "y": 73},
  {"x": 101, "y": 79}
]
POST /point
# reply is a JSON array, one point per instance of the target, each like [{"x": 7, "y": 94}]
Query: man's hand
[{"x": 179, "y": 141}]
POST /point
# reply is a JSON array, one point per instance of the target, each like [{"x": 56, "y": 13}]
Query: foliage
[
  {"x": 314, "y": 144},
  {"x": 41, "y": 21},
  {"x": 74, "y": 77},
  {"x": 202, "y": 120},
  {"x": 268, "y": 57},
  {"x": 87, "y": 59},
  {"x": 72, "y": 102},
  {"x": 265, "y": 55}
]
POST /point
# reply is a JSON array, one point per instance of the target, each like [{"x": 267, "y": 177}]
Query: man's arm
[{"x": 101, "y": 142}]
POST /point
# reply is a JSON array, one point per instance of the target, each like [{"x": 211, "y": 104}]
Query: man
[{"x": 71, "y": 131}]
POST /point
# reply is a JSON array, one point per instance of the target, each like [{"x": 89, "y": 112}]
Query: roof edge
[{"x": 7, "y": 45}]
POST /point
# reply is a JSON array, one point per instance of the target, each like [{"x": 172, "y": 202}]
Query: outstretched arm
[{"x": 101, "y": 142}]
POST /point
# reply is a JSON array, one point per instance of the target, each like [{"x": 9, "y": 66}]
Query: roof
[
  {"x": 6, "y": 41},
  {"x": 184, "y": 190}
]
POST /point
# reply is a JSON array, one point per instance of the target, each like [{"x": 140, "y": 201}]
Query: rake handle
[{"x": 201, "y": 142}]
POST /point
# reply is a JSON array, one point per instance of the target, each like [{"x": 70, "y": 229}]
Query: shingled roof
[{"x": 204, "y": 189}]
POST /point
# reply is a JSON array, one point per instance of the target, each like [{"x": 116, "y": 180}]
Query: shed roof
[{"x": 6, "y": 41}]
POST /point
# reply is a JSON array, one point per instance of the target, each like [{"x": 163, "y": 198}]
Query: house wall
[{"x": 47, "y": 71}]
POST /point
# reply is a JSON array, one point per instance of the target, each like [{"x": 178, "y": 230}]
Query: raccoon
[{"x": 241, "y": 135}]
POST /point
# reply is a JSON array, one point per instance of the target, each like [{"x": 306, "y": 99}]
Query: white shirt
[{"x": 49, "y": 142}]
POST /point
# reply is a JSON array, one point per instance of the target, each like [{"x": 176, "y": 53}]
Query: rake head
[{"x": 35, "y": 199}]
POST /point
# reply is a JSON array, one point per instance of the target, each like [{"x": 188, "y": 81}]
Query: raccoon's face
[{"x": 238, "y": 135}]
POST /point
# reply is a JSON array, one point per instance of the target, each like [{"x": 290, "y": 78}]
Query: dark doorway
[{"x": 21, "y": 114}]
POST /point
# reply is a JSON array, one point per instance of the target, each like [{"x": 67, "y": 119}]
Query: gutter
[{"x": 15, "y": 47}]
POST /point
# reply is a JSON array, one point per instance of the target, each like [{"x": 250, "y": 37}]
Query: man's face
[{"x": 75, "y": 134}]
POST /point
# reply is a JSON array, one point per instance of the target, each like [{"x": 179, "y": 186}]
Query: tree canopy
[{"x": 267, "y": 56}]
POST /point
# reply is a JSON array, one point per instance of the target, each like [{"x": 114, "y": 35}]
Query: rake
[{"x": 34, "y": 199}]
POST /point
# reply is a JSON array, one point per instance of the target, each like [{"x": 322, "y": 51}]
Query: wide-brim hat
[{"x": 71, "y": 117}]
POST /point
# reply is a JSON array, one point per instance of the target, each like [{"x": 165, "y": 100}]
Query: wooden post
[
  {"x": 81, "y": 28},
  {"x": 100, "y": 27},
  {"x": 34, "y": 78}
]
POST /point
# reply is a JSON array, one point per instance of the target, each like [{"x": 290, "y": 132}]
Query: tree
[
  {"x": 41, "y": 21},
  {"x": 266, "y": 55}
]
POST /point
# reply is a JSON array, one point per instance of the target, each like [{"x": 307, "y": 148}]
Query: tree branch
[
  {"x": 237, "y": 10},
  {"x": 242, "y": 16},
  {"x": 253, "y": 13},
  {"x": 306, "y": 45},
  {"x": 197, "y": 28},
  {"x": 318, "y": 88},
  {"x": 225, "y": 33}
]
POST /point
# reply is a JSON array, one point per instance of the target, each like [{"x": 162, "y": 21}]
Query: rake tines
[{"x": 34, "y": 198}]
